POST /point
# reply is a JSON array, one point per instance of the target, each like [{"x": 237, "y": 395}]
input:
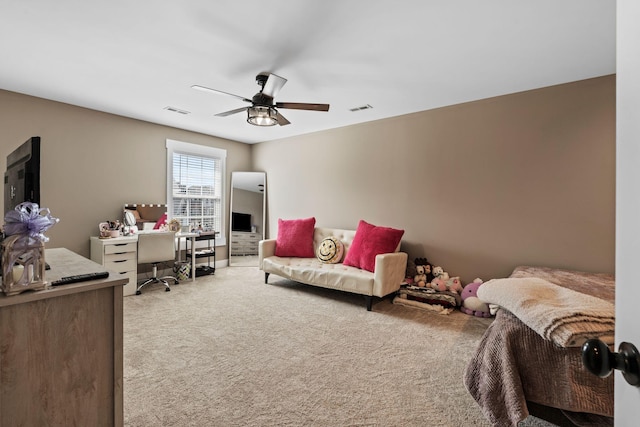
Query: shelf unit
[{"x": 209, "y": 252}]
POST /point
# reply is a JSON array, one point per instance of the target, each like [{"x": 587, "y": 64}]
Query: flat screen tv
[
  {"x": 240, "y": 221},
  {"x": 22, "y": 177}
]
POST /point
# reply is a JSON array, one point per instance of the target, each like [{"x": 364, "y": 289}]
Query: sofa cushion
[
  {"x": 314, "y": 272},
  {"x": 369, "y": 241},
  {"x": 330, "y": 250},
  {"x": 160, "y": 222},
  {"x": 345, "y": 236},
  {"x": 295, "y": 238}
]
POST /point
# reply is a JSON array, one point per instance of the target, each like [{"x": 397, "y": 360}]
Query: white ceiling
[{"x": 134, "y": 58}]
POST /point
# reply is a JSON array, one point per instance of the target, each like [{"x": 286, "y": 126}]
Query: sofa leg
[
  {"x": 369, "y": 301},
  {"x": 266, "y": 277}
]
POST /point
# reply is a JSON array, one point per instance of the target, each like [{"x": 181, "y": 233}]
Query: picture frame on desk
[{"x": 174, "y": 225}]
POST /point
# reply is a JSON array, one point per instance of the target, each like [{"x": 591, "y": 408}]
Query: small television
[
  {"x": 22, "y": 177},
  {"x": 240, "y": 221}
]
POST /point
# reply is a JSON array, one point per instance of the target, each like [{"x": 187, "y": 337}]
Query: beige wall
[
  {"x": 93, "y": 163},
  {"x": 479, "y": 188}
]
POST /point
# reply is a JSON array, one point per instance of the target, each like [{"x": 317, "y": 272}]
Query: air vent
[
  {"x": 177, "y": 110},
  {"x": 363, "y": 107}
]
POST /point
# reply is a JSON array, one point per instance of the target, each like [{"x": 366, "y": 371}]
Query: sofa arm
[
  {"x": 389, "y": 273},
  {"x": 266, "y": 248}
]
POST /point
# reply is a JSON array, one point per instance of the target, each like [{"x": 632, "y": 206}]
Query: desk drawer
[
  {"x": 120, "y": 265},
  {"x": 129, "y": 288},
  {"x": 119, "y": 248},
  {"x": 245, "y": 236}
]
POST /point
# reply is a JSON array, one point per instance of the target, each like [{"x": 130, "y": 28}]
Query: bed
[{"x": 516, "y": 372}]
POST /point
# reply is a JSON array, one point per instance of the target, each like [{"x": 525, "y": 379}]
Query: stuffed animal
[
  {"x": 453, "y": 284},
  {"x": 439, "y": 281},
  {"x": 427, "y": 268},
  {"x": 420, "y": 279},
  {"x": 439, "y": 273},
  {"x": 422, "y": 272},
  {"x": 471, "y": 304}
]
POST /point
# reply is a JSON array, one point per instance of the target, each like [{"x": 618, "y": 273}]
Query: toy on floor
[
  {"x": 453, "y": 284},
  {"x": 471, "y": 304},
  {"x": 439, "y": 281},
  {"x": 428, "y": 267},
  {"x": 423, "y": 271}
]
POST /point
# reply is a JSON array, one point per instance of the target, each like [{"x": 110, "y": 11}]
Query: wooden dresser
[
  {"x": 243, "y": 243},
  {"x": 61, "y": 360}
]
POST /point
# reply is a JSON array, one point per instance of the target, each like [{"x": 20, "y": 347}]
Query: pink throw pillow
[
  {"x": 370, "y": 241},
  {"x": 295, "y": 238},
  {"x": 161, "y": 221}
]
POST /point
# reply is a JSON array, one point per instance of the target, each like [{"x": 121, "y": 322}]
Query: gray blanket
[
  {"x": 558, "y": 314},
  {"x": 513, "y": 364}
]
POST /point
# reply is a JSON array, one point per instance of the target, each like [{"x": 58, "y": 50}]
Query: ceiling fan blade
[
  {"x": 281, "y": 120},
  {"x": 273, "y": 85},
  {"x": 230, "y": 112},
  {"x": 216, "y": 91},
  {"x": 303, "y": 106}
]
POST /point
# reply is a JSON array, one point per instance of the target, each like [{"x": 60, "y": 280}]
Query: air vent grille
[
  {"x": 362, "y": 107},
  {"x": 176, "y": 110}
]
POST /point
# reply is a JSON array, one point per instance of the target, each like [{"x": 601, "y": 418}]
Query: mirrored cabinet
[{"x": 247, "y": 217}]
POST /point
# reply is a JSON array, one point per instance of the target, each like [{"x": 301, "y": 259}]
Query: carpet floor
[{"x": 228, "y": 350}]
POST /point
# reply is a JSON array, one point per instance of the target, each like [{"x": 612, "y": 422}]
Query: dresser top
[{"x": 65, "y": 263}]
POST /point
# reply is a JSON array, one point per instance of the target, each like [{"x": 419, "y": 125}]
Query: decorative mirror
[
  {"x": 145, "y": 216},
  {"x": 247, "y": 217}
]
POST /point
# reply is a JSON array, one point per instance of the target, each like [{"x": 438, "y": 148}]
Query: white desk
[{"x": 120, "y": 254}]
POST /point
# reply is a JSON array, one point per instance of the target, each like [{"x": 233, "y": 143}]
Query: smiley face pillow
[{"x": 330, "y": 250}]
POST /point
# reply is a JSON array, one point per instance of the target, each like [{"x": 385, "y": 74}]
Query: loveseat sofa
[{"x": 385, "y": 279}]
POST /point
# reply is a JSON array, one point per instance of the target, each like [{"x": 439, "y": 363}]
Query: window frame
[{"x": 187, "y": 148}]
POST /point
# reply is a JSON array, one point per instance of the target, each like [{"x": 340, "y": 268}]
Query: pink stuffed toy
[
  {"x": 453, "y": 284},
  {"x": 438, "y": 284},
  {"x": 440, "y": 277},
  {"x": 471, "y": 304}
]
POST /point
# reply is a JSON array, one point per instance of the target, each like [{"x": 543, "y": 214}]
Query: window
[{"x": 195, "y": 190}]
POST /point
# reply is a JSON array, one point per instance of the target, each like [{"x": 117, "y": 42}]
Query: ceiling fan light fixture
[{"x": 259, "y": 115}]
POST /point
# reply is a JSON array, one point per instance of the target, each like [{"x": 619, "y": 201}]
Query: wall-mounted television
[
  {"x": 22, "y": 177},
  {"x": 240, "y": 221}
]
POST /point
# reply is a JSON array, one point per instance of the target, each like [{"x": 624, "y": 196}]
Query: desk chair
[{"x": 154, "y": 248}]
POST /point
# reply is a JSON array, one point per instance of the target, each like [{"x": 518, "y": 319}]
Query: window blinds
[{"x": 197, "y": 187}]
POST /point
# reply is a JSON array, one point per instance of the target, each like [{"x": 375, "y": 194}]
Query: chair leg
[
  {"x": 142, "y": 285},
  {"x": 156, "y": 279},
  {"x": 165, "y": 278},
  {"x": 266, "y": 277}
]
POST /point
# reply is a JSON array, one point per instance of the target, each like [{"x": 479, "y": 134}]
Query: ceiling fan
[{"x": 262, "y": 111}]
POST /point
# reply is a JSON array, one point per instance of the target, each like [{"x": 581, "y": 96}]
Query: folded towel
[{"x": 566, "y": 317}]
